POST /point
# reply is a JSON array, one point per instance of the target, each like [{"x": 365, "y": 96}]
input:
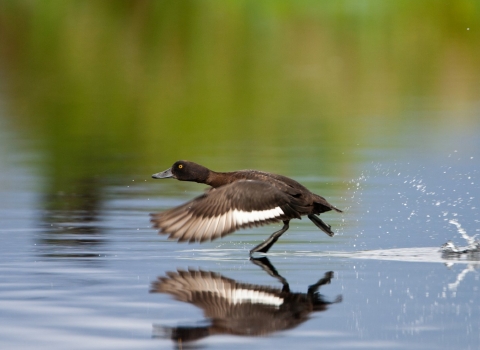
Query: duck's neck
[{"x": 218, "y": 179}]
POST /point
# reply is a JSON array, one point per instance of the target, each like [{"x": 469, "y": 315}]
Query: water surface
[
  {"x": 82, "y": 278},
  {"x": 374, "y": 107}
]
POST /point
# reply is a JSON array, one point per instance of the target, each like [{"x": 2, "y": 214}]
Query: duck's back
[
  {"x": 291, "y": 187},
  {"x": 283, "y": 183},
  {"x": 301, "y": 196}
]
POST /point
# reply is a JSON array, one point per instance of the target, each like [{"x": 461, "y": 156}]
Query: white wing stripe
[
  {"x": 243, "y": 217},
  {"x": 240, "y": 296}
]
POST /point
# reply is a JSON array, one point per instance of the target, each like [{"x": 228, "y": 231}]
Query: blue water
[{"x": 69, "y": 280}]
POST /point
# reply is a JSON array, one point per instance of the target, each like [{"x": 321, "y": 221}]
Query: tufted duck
[{"x": 237, "y": 200}]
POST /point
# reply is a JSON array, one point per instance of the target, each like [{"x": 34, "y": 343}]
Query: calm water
[
  {"x": 83, "y": 279},
  {"x": 374, "y": 105}
]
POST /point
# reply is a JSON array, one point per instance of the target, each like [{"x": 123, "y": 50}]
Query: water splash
[
  {"x": 472, "y": 247},
  {"x": 453, "y": 286}
]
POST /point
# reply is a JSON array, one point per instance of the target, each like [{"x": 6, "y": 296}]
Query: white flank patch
[{"x": 243, "y": 217}]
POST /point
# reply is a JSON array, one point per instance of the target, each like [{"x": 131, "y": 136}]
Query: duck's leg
[
  {"x": 267, "y": 244},
  {"x": 321, "y": 225},
  {"x": 314, "y": 288},
  {"x": 267, "y": 266},
  {"x": 325, "y": 280}
]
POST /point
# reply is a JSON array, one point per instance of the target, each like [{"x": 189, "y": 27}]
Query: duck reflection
[{"x": 239, "y": 308}]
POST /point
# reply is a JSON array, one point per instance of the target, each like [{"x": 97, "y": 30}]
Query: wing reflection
[{"x": 239, "y": 308}]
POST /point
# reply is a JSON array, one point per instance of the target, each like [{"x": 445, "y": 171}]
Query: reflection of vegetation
[
  {"x": 71, "y": 221},
  {"x": 112, "y": 87}
]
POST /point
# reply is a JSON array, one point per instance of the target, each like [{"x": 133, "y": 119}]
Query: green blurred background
[{"x": 103, "y": 90}]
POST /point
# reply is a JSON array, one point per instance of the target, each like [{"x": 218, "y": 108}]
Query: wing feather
[{"x": 225, "y": 209}]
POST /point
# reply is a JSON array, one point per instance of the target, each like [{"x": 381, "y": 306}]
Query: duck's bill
[{"x": 163, "y": 174}]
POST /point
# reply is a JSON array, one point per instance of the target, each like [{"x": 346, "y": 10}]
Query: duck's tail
[{"x": 322, "y": 205}]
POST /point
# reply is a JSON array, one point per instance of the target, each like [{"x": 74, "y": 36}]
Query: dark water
[{"x": 375, "y": 106}]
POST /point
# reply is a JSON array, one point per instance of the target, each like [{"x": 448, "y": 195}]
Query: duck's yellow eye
[{"x": 180, "y": 166}]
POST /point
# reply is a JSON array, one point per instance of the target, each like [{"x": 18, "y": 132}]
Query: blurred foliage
[{"x": 128, "y": 87}]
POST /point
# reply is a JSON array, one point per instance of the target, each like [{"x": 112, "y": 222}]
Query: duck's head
[{"x": 184, "y": 170}]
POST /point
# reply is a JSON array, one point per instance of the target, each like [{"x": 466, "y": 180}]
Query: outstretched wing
[{"x": 225, "y": 209}]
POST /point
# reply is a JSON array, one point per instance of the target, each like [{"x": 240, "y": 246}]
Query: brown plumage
[{"x": 237, "y": 200}]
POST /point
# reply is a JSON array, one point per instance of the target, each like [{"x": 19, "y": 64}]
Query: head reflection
[{"x": 237, "y": 308}]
